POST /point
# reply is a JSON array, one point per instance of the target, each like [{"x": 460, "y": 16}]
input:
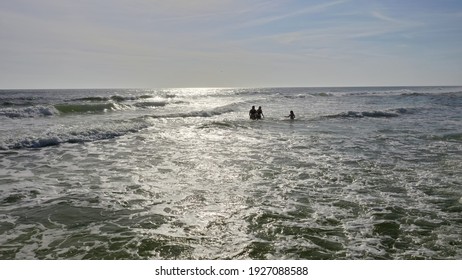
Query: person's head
[
  {"x": 253, "y": 107},
  {"x": 259, "y": 107}
]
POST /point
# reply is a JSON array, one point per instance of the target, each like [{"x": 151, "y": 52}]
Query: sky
[{"x": 229, "y": 43}]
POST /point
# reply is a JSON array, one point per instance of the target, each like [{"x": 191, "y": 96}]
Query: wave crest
[
  {"x": 74, "y": 135},
  {"x": 370, "y": 114},
  {"x": 29, "y": 112},
  {"x": 87, "y": 108}
]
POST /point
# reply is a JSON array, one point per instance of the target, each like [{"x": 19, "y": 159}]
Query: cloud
[
  {"x": 293, "y": 13},
  {"x": 385, "y": 18},
  {"x": 184, "y": 42}
]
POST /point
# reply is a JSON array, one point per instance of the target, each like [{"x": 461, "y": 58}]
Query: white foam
[
  {"x": 203, "y": 174},
  {"x": 76, "y": 134},
  {"x": 29, "y": 112}
]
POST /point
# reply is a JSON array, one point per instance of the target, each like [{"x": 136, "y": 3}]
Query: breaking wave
[
  {"x": 73, "y": 108},
  {"x": 29, "y": 112},
  {"x": 76, "y": 135},
  {"x": 100, "y": 131}
]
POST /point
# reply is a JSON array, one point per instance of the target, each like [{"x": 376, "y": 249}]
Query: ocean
[{"x": 360, "y": 173}]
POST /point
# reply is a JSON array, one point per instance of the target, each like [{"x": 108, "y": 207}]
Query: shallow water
[{"x": 361, "y": 173}]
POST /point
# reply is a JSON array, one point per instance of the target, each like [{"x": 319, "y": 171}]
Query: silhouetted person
[
  {"x": 291, "y": 115},
  {"x": 260, "y": 113},
  {"x": 253, "y": 113}
]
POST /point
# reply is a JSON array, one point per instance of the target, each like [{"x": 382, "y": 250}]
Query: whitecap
[{"x": 29, "y": 112}]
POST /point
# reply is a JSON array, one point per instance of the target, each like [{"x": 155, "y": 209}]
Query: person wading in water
[
  {"x": 253, "y": 113},
  {"x": 260, "y": 113},
  {"x": 291, "y": 115}
]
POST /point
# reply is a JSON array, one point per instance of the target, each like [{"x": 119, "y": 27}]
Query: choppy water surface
[{"x": 361, "y": 173}]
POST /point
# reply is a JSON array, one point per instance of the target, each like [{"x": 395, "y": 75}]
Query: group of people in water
[{"x": 257, "y": 114}]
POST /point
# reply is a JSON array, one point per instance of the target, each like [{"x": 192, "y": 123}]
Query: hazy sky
[{"x": 229, "y": 43}]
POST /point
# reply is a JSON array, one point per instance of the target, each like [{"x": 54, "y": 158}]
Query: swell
[
  {"x": 117, "y": 98},
  {"x": 392, "y": 113},
  {"x": 374, "y": 91},
  {"x": 451, "y": 137},
  {"x": 87, "y": 108}
]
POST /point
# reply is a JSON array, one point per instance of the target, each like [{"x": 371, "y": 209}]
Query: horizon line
[{"x": 224, "y": 87}]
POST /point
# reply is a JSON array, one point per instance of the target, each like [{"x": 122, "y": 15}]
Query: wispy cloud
[
  {"x": 278, "y": 17},
  {"x": 396, "y": 21}
]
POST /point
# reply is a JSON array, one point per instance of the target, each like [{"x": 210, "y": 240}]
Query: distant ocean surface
[{"x": 361, "y": 173}]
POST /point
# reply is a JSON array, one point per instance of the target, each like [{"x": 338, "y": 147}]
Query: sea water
[{"x": 361, "y": 173}]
